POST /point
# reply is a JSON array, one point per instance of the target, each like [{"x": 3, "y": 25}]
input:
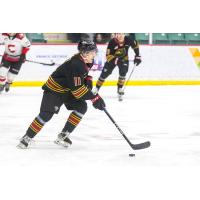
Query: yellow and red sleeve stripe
[
  {"x": 109, "y": 57},
  {"x": 55, "y": 86},
  {"x": 80, "y": 92}
]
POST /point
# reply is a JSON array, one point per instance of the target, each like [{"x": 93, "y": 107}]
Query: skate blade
[
  {"x": 120, "y": 98},
  {"x": 21, "y": 146},
  {"x": 63, "y": 144}
]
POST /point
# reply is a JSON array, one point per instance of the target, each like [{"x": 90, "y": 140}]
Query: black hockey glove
[
  {"x": 98, "y": 102},
  {"x": 88, "y": 82},
  {"x": 22, "y": 58},
  {"x": 137, "y": 60}
]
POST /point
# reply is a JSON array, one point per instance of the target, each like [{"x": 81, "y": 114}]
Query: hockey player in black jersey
[
  {"x": 69, "y": 85},
  {"x": 117, "y": 55}
]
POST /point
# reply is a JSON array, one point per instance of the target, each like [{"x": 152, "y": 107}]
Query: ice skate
[
  {"x": 63, "y": 139},
  {"x": 120, "y": 97},
  {"x": 1, "y": 88},
  {"x": 24, "y": 142},
  {"x": 7, "y": 86},
  {"x": 120, "y": 92}
]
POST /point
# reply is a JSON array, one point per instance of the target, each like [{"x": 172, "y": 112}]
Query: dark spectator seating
[
  {"x": 160, "y": 38},
  {"x": 143, "y": 38},
  {"x": 36, "y": 37},
  {"x": 176, "y": 38},
  {"x": 192, "y": 38}
]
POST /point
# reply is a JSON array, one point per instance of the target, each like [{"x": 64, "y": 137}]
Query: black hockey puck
[{"x": 131, "y": 154}]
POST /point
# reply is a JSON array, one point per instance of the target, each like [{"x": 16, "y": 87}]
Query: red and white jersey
[{"x": 14, "y": 46}]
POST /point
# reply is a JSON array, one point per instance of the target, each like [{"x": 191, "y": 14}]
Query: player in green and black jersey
[{"x": 117, "y": 55}]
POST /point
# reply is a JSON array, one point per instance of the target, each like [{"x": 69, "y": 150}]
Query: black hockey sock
[
  {"x": 34, "y": 128},
  {"x": 72, "y": 121},
  {"x": 121, "y": 81}
]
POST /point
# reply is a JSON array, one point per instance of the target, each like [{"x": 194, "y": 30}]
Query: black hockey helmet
[{"x": 85, "y": 46}]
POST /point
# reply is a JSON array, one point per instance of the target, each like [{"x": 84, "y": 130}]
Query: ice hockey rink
[{"x": 167, "y": 116}]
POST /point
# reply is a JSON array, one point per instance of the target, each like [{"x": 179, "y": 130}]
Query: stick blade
[
  {"x": 141, "y": 145},
  {"x": 52, "y": 64},
  {"x": 48, "y": 64}
]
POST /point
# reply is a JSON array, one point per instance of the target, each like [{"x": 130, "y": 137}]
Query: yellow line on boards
[{"x": 113, "y": 83}]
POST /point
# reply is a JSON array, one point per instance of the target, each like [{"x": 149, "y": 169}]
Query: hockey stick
[
  {"x": 49, "y": 64},
  {"x": 133, "y": 146},
  {"x": 129, "y": 77}
]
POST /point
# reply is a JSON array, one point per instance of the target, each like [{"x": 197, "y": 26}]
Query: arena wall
[{"x": 161, "y": 64}]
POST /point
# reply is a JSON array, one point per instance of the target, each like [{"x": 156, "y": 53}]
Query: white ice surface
[
  {"x": 97, "y": 165},
  {"x": 168, "y": 116}
]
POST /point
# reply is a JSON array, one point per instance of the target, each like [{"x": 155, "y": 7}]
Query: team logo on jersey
[
  {"x": 11, "y": 48},
  {"x": 120, "y": 52},
  {"x": 77, "y": 81}
]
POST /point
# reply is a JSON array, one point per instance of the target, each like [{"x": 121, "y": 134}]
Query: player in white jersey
[{"x": 16, "y": 47}]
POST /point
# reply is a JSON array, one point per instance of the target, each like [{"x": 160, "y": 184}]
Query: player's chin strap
[{"x": 133, "y": 146}]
